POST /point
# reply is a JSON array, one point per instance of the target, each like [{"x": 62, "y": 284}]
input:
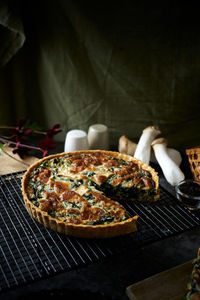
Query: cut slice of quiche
[{"x": 82, "y": 193}]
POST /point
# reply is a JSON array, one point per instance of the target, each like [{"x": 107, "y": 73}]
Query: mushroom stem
[
  {"x": 126, "y": 146},
  {"x": 170, "y": 168},
  {"x": 175, "y": 155},
  {"x": 143, "y": 150}
]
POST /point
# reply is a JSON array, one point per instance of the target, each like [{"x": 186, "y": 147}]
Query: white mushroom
[
  {"x": 126, "y": 146},
  {"x": 143, "y": 150},
  {"x": 170, "y": 168}
]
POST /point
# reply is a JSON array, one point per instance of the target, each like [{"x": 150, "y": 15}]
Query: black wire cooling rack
[{"x": 29, "y": 251}]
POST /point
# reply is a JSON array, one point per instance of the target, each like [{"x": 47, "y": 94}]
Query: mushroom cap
[{"x": 152, "y": 128}]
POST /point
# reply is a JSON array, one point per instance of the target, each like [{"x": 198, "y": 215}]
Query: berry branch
[{"x": 24, "y": 131}]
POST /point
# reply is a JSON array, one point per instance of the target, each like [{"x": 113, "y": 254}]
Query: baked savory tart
[
  {"x": 194, "y": 284},
  {"x": 77, "y": 193}
]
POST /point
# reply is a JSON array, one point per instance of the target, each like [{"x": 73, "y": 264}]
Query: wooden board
[{"x": 168, "y": 285}]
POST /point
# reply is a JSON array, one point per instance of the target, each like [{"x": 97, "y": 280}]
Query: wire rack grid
[{"x": 29, "y": 251}]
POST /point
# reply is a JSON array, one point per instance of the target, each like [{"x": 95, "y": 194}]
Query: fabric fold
[{"x": 11, "y": 32}]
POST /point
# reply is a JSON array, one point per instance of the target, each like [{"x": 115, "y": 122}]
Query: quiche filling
[{"x": 78, "y": 188}]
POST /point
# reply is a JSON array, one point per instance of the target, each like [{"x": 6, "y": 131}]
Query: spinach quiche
[
  {"x": 82, "y": 193},
  {"x": 194, "y": 284}
]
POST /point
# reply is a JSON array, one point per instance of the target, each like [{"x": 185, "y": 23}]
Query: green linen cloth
[
  {"x": 11, "y": 33},
  {"x": 125, "y": 64}
]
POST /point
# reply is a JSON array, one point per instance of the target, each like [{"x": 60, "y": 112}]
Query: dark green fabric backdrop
[{"x": 127, "y": 64}]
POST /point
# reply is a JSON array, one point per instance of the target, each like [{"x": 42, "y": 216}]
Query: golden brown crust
[{"x": 79, "y": 230}]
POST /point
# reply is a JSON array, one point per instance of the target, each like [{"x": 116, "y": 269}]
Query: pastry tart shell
[{"x": 81, "y": 230}]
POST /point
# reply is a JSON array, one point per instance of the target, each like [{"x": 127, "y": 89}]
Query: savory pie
[
  {"x": 194, "y": 284},
  {"x": 78, "y": 193}
]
